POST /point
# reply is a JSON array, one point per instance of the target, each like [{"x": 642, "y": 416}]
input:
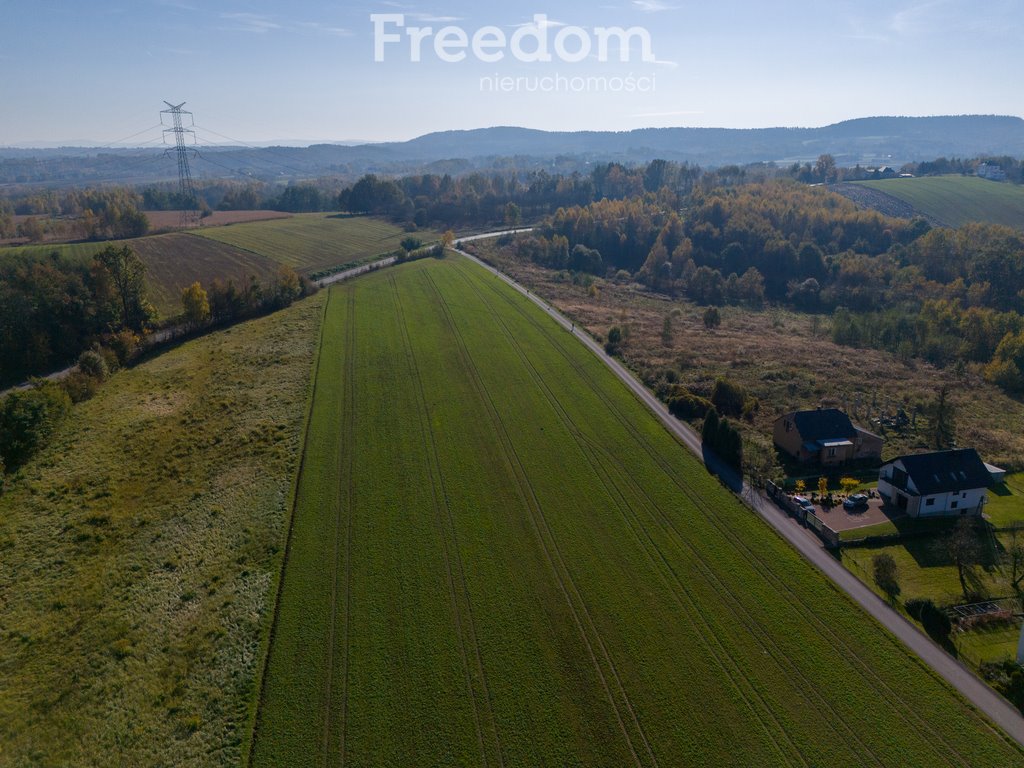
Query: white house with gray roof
[{"x": 932, "y": 484}]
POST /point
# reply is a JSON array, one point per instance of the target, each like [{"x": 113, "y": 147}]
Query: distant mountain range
[{"x": 868, "y": 141}]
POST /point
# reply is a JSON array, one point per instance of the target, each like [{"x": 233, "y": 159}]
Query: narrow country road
[{"x": 1000, "y": 711}]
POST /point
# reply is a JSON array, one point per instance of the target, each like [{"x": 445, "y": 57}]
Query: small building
[
  {"x": 991, "y": 172},
  {"x": 825, "y": 436},
  {"x": 939, "y": 483}
]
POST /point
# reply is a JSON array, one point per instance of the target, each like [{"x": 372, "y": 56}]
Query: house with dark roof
[
  {"x": 940, "y": 483},
  {"x": 825, "y": 436}
]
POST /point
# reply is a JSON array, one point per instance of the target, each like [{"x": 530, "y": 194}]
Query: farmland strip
[
  {"x": 448, "y": 532},
  {"x": 558, "y": 566}
]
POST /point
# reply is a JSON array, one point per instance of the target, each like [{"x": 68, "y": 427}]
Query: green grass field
[
  {"x": 314, "y": 242},
  {"x": 499, "y": 557},
  {"x": 957, "y": 200},
  {"x": 140, "y": 554}
]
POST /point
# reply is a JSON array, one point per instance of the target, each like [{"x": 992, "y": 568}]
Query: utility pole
[{"x": 187, "y": 191}]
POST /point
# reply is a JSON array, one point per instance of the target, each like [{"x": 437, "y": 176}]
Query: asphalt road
[{"x": 806, "y": 543}]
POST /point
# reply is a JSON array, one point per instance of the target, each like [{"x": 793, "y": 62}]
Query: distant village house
[
  {"x": 824, "y": 436},
  {"x": 991, "y": 172}
]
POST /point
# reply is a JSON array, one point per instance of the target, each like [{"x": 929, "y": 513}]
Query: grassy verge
[{"x": 140, "y": 552}]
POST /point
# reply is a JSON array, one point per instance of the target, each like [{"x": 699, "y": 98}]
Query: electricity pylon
[{"x": 189, "y": 201}]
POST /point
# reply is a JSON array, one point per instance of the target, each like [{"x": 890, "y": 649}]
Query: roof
[
  {"x": 823, "y": 424},
  {"x": 946, "y": 471}
]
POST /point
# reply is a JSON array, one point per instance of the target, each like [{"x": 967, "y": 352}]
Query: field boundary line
[{"x": 261, "y": 686}]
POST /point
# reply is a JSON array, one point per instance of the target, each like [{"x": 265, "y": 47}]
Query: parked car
[
  {"x": 802, "y": 501},
  {"x": 857, "y": 501}
]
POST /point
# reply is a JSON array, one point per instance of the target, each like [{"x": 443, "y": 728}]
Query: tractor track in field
[
  {"x": 550, "y": 549},
  {"x": 343, "y": 520},
  {"x": 795, "y": 600},
  {"x": 465, "y": 629},
  {"x": 724, "y": 659},
  {"x": 257, "y": 720}
]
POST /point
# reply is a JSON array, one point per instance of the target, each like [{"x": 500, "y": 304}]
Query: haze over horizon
[{"x": 249, "y": 71}]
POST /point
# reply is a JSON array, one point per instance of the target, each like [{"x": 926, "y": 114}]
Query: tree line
[{"x": 53, "y": 307}]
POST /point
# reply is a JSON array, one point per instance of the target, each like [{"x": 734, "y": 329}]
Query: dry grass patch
[
  {"x": 786, "y": 360},
  {"x": 140, "y": 553}
]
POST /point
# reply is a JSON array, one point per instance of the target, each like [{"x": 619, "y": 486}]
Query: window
[
  {"x": 929, "y": 503},
  {"x": 953, "y": 505},
  {"x": 831, "y": 453}
]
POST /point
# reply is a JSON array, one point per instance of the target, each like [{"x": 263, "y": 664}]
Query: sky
[{"x": 307, "y": 70}]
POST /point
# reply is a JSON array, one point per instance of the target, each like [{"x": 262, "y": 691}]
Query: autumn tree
[
  {"x": 512, "y": 215},
  {"x": 196, "y": 304}
]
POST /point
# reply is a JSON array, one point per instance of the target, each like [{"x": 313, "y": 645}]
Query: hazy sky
[{"x": 305, "y": 70}]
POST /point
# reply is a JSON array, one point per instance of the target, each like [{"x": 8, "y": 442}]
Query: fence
[{"x": 806, "y": 517}]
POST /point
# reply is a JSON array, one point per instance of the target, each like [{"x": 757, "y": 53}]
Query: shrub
[
  {"x": 110, "y": 358},
  {"x": 723, "y": 438},
  {"x": 614, "y": 340},
  {"x": 728, "y": 397},
  {"x": 80, "y": 386},
  {"x": 28, "y": 419},
  {"x": 92, "y": 364},
  {"x": 886, "y": 574},
  {"x": 712, "y": 318},
  {"x": 125, "y": 346},
  {"x": 689, "y": 406},
  {"x": 934, "y": 620}
]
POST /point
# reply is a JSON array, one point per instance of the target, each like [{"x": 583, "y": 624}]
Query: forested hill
[
  {"x": 868, "y": 141},
  {"x": 894, "y": 140}
]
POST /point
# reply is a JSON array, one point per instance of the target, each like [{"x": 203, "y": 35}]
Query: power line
[{"x": 267, "y": 150}]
